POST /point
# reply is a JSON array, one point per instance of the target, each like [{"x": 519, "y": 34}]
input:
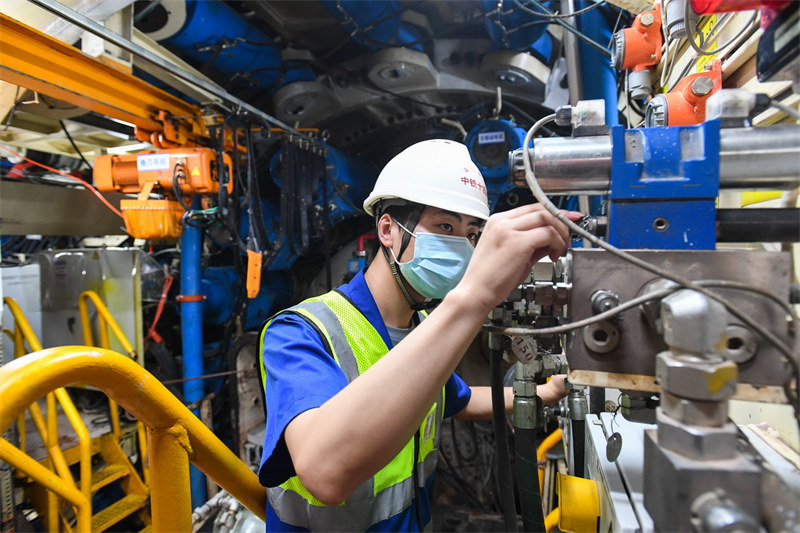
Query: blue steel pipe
[
  {"x": 599, "y": 78},
  {"x": 210, "y": 23},
  {"x": 192, "y": 334}
]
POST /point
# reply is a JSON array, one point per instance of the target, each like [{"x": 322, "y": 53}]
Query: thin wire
[
  {"x": 556, "y": 15},
  {"x": 575, "y": 228},
  {"x": 568, "y": 27},
  {"x": 616, "y": 25},
  {"x": 691, "y": 34},
  {"x": 789, "y": 110},
  {"x": 668, "y": 64},
  {"x": 74, "y": 146},
  {"x": 79, "y": 180}
]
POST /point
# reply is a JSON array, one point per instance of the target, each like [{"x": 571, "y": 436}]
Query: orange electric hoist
[{"x": 160, "y": 178}]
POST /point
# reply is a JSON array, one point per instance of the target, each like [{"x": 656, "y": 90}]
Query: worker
[{"x": 353, "y": 413}]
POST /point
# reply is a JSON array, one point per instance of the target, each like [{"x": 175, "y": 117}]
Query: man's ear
[{"x": 384, "y": 230}]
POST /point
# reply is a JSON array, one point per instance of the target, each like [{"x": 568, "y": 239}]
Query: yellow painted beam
[{"x": 36, "y": 61}]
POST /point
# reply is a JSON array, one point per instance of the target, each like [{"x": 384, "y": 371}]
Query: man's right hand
[{"x": 511, "y": 243}]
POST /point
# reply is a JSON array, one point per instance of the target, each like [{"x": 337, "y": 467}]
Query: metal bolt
[
  {"x": 702, "y": 86},
  {"x": 647, "y": 19}
]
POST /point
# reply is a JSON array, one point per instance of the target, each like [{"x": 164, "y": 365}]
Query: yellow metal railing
[
  {"x": 105, "y": 321},
  {"x": 48, "y": 427},
  {"x": 177, "y": 437}
]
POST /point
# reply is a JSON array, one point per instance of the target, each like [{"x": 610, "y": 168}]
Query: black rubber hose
[
  {"x": 578, "y": 447},
  {"x": 758, "y": 225},
  {"x": 528, "y": 479},
  {"x": 504, "y": 473}
]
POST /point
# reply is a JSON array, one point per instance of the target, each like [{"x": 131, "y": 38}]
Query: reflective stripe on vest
[{"x": 356, "y": 345}]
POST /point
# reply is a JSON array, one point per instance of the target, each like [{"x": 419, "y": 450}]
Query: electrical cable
[
  {"x": 364, "y": 31},
  {"x": 146, "y": 11},
  {"x": 547, "y": 13},
  {"x": 79, "y": 180},
  {"x": 176, "y": 189},
  {"x": 691, "y": 34},
  {"x": 680, "y": 280},
  {"x": 789, "y": 110},
  {"x": 556, "y": 15},
  {"x": 459, "y": 454},
  {"x": 666, "y": 70},
  {"x": 74, "y": 146}
]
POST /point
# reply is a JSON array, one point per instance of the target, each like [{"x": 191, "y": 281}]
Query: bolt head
[
  {"x": 702, "y": 86},
  {"x": 647, "y": 19}
]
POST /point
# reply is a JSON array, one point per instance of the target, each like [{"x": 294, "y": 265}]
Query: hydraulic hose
[
  {"x": 578, "y": 447},
  {"x": 528, "y": 417},
  {"x": 504, "y": 474},
  {"x": 528, "y": 479}
]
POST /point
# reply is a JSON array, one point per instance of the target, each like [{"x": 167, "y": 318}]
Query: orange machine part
[
  {"x": 197, "y": 170},
  {"x": 686, "y": 103},
  {"x": 254, "y": 260},
  {"x": 643, "y": 41},
  {"x": 152, "y": 219}
]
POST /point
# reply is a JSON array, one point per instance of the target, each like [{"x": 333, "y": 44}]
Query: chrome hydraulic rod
[{"x": 750, "y": 158}]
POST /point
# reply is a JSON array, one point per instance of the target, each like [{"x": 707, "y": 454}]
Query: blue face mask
[{"x": 438, "y": 265}]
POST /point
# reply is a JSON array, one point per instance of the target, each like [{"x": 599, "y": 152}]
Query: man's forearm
[{"x": 480, "y": 403}]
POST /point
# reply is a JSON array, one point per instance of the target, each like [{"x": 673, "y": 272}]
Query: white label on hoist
[
  {"x": 148, "y": 162},
  {"x": 492, "y": 137}
]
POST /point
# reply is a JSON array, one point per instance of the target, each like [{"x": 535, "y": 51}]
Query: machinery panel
[{"x": 638, "y": 342}]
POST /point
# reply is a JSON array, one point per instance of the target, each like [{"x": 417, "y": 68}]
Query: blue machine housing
[
  {"x": 529, "y": 33},
  {"x": 489, "y": 143},
  {"x": 221, "y": 285},
  {"x": 360, "y": 17},
  {"x": 215, "y": 23},
  {"x": 664, "y": 184}
]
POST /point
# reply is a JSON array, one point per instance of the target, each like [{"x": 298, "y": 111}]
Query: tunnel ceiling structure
[{"x": 372, "y": 77}]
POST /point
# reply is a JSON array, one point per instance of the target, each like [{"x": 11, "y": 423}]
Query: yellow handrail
[
  {"x": 104, "y": 321},
  {"x": 176, "y": 435},
  {"x": 22, "y": 462},
  {"x": 49, "y": 429},
  {"x": 541, "y": 453}
]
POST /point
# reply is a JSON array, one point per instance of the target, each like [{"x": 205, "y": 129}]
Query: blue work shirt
[{"x": 301, "y": 375}]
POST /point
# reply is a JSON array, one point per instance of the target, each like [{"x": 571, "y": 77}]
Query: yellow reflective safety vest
[{"x": 356, "y": 345}]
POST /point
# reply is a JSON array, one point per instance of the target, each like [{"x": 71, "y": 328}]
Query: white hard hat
[{"x": 437, "y": 173}]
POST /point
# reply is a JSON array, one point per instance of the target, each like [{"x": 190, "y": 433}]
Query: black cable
[
  {"x": 74, "y": 146},
  {"x": 254, "y": 209},
  {"x": 176, "y": 188},
  {"x": 343, "y": 197},
  {"x": 416, "y": 481},
  {"x": 547, "y": 13},
  {"x": 456, "y": 481},
  {"x": 146, "y": 11},
  {"x": 474, "y": 436},
  {"x": 556, "y": 16}
]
